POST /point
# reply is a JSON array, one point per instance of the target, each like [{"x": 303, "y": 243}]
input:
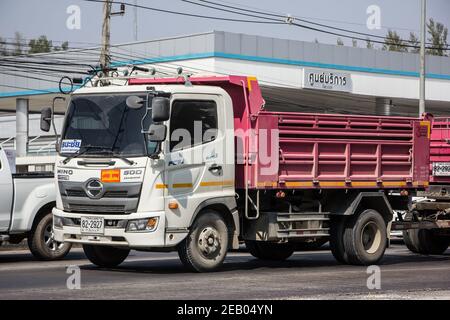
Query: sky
[{"x": 33, "y": 18}]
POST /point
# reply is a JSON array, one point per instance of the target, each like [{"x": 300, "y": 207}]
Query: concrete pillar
[
  {"x": 22, "y": 126},
  {"x": 383, "y": 106}
]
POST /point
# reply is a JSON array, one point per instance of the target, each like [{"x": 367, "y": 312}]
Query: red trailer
[{"x": 303, "y": 179}]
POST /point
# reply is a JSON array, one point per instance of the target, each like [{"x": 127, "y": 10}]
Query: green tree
[
  {"x": 19, "y": 43},
  {"x": 393, "y": 42},
  {"x": 42, "y": 44},
  {"x": 65, "y": 45},
  {"x": 369, "y": 44},
  {"x": 3, "y": 47},
  {"x": 339, "y": 42},
  {"x": 438, "y": 37},
  {"x": 354, "y": 43},
  {"x": 414, "y": 41}
]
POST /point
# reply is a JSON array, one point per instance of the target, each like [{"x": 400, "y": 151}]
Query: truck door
[
  {"x": 194, "y": 161},
  {"x": 6, "y": 192}
]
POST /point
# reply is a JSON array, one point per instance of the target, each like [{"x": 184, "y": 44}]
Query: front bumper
[{"x": 117, "y": 237}]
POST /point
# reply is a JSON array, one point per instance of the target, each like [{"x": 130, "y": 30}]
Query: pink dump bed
[
  {"x": 344, "y": 151},
  {"x": 440, "y": 150}
]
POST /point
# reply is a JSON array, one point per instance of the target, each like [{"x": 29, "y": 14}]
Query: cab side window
[{"x": 192, "y": 122}]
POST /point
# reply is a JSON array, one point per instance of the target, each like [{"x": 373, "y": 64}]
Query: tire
[
  {"x": 411, "y": 237},
  {"x": 431, "y": 243},
  {"x": 269, "y": 250},
  {"x": 425, "y": 241},
  {"x": 105, "y": 256},
  {"x": 337, "y": 228},
  {"x": 41, "y": 243},
  {"x": 205, "y": 247},
  {"x": 365, "y": 238}
]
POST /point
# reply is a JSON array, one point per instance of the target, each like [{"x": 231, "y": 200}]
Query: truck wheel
[
  {"x": 424, "y": 241},
  {"x": 411, "y": 239},
  {"x": 41, "y": 242},
  {"x": 337, "y": 228},
  {"x": 205, "y": 247},
  {"x": 411, "y": 236},
  {"x": 105, "y": 256},
  {"x": 269, "y": 250},
  {"x": 432, "y": 243},
  {"x": 365, "y": 238}
]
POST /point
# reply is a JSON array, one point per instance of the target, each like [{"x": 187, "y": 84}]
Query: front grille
[
  {"x": 108, "y": 194},
  {"x": 75, "y": 193},
  {"x": 117, "y": 209},
  {"x": 117, "y": 194},
  {"x": 117, "y": 198}
]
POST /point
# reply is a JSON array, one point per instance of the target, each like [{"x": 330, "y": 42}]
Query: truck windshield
[{"x": 103, "y": 125}]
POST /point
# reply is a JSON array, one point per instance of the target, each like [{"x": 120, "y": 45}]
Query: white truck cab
[{"x": 123, "y": 184}]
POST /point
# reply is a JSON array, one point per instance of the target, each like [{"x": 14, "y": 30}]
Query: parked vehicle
[
  {"x": 196, "y": 165},
  {"x": 26, "y": 202}
]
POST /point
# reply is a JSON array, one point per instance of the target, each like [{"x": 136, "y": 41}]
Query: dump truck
[{"x": 202, "y": 164}]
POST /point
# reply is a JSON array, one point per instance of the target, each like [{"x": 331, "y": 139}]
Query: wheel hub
[
  {"x": 209, "y": 241},
  {"x": 49, "y": 239},
  {"x": 371, "y": 237}
]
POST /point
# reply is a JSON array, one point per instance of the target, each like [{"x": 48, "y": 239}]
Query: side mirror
[
  {"x": 157, "y": 132},
  {"x": 46, "y": 119},
  {"x": 160, "y": 109}
]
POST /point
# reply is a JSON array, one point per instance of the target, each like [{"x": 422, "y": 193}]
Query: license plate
[
  {"x": 92, "y": 225},
  {"x": 441, "y": 169}
]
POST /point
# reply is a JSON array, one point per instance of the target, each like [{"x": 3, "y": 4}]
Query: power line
[
  {"x": 302, "y": 20},
  {"x": 30, "y": 77},
  {"x": 26, "y": 88},
  {"x": 45, "y": 69},
  {"x": 191, "y": 14},
  {"x": 278, "y": 16},
  {"x": 52, "y": 40},
  {"x": 279, "y": 84},
  {"x": 263, "y": 82},
  {"x": 319, "y": 19}
]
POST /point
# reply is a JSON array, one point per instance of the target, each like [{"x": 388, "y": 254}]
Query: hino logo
[
  {"x": 94, "y": 188},
  {"x": 65, "y": 171}
]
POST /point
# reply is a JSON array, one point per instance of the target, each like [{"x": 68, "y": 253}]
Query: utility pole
[
  {"x": 135, "y": 21},
  {"x": 105, "y": 58},
  {"x": 422, "y": 57}
]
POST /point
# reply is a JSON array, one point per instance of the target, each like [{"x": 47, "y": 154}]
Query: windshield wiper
[
  {"x": 115, "y": 155},
  {"x": 86, "y": 148},
  {"x": 103, "y": 149}
]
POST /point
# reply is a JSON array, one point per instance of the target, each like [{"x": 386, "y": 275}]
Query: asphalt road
[{"x": 306, "y": 275}]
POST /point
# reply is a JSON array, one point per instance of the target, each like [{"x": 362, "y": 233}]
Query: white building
[{"x": 295, "y": 75}]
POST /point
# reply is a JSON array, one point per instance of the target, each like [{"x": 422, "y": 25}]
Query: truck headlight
[
  {"x": 57, "y": 222},
  {"x": 140, "y": 225}
]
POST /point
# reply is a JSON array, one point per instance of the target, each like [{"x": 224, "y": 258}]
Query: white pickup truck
[{"x": 26, "y": 202}]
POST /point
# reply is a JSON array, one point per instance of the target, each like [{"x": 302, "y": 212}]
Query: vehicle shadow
[
  {"x": 305, "y": 262},
  {"x": 8, "y": 257}
]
